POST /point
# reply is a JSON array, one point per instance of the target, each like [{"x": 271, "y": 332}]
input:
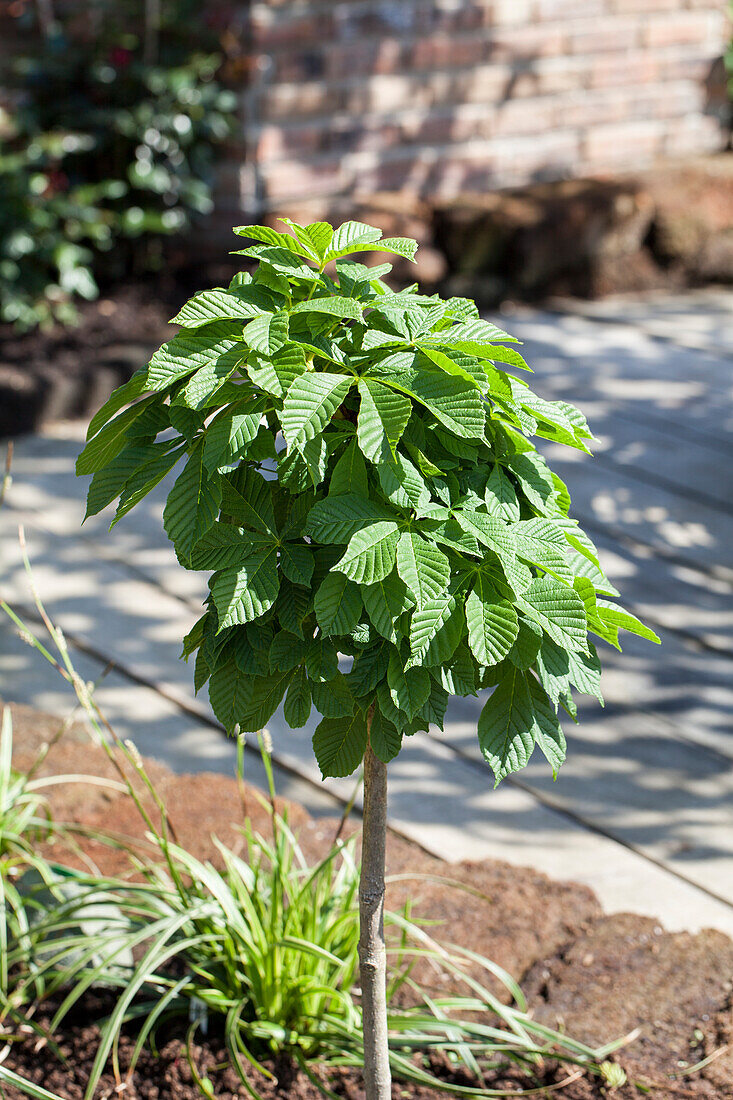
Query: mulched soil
[
  {"x": 64, "y": 373},
  {"x": 597, "y": 976}
]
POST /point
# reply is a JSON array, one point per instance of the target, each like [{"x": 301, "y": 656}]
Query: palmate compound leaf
[{"x": 357, "y": 476}]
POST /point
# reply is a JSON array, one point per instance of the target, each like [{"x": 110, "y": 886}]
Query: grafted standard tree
[{"x": 360, "y": 482}]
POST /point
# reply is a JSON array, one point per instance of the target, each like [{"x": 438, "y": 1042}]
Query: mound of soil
[{"x": 596, "y": 976}]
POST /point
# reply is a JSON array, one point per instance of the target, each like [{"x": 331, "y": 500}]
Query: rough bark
[{"x": 372, "y": 953}]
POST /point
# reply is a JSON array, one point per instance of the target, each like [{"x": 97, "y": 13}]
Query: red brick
[
  {"x": 646, "y": 7},
  {"x": 678, "y": 29},
  {"x": 634, "y": 67},
  {"x": 570, "y": 9},
  {"x": 623, "y": 143},
  {"x": 590, "y": 36}
]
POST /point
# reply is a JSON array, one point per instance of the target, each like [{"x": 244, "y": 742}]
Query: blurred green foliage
[{"x": 109, "y": 147}]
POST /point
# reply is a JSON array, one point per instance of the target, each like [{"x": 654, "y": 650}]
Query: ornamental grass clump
[{"x": 360, "y": 482}]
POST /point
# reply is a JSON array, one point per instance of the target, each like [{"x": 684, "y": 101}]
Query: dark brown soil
[
  {"x": 597, "y": 976},
  {"x": 65, "y": 373},
  {"x": 168, "y": 1076}
]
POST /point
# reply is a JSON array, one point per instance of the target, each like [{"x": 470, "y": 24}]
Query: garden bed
[{"x": 597, "y": 976}]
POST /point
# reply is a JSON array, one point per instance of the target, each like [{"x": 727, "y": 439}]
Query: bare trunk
[{"x": 372, "y": 953}]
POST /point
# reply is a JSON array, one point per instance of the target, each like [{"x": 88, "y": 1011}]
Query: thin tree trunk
[{"x": 372, "y": 953}]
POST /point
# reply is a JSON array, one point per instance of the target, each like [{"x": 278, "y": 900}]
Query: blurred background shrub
[{"x": 116, "y": 118}]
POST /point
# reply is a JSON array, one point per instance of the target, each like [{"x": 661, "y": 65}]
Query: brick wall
[{"x": 432, "y": 97}]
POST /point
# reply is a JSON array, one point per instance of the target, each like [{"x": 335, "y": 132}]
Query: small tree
[{"x": 359, "y": 481}]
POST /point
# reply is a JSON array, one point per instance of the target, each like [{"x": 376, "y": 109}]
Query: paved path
[{"x": 643, "y": 810}]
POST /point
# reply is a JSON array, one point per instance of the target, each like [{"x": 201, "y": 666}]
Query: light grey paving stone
[
  {"x": 697, "y": 319},
  {"x": 160, "y": 729},
  {"x": 626, "y": 776}
]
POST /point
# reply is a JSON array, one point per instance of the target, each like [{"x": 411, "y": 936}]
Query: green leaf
[
  {"x": 385, "y": 739},
  {"x": 242, "y": 593},
  {"x": 547, "y": 730},
  {"x": 492, "y": 623},
  {"x": 247, "y": 498},
  {"x": 501, "y": 496},
  {"x": 309, "y": 405},
  {"x": 228, "y": 437},
  {"x": 370, "y": 666},
  {"x": 541, "y": 543},
  {"x": 560, "y": 612},
  {"x": 108, "y": 482},
  {"x": 435, "y": 630},
  {"x": 617, "y": 619},
  {"x": 384, "y": 602},
  {"x": 335, "y": 305},
  {"x": 336, "y": 518},
  {"x": 107, "y": 444},
  {"x": 297, "y": 563},
  {"x": 349, "y": 474},
  {"x": 557, "y": 669},
  {"x": 297, "y": 706},
  {"x": 286, "y": 651},
  {"x": 506, "y": 726},
  {"x": 202, "y": 386},
  {"x": 266, "y": 333},
  {"x": 144, "y": 480},
  {"x": 527, "y": 644},
  {"x": 266, "y": 696},
  {"x": 453, "y": 401},
  {"x": 403, "y": 485},
  {"x": 370, "y": 555},
  {"x": 423, "y": 567},
  {"x": 337, "y": 605},
  {"x": 409, "y": 688},
  {"x": 475, "y": 334},
  {"x": 269, "y": 236},
  {"x": 220, "y": 343},
  {"x": 224, "y": 546},
  {"x": 229, "y": 694},
  {"x": 215, "y": 305},
  {"x": 123, "y": 395},
  {"x": 339, "y": 744},
  {"x": 459, "y": 677},
  {"x": 352, "y": 237},
  {"x": 451, "y": 366},
  {"x": 383, "y": 416},
  {"x": 316, "y": 237},
  {"x": 332, "y": 698},
  {"x": 434, "y": 708},
  {"x": 192, "y": 506}
]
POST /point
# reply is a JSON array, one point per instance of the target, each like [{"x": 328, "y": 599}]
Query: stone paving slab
[
  {"x": 160, "y": 729},
  {"x": 699, "y": 319}
]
